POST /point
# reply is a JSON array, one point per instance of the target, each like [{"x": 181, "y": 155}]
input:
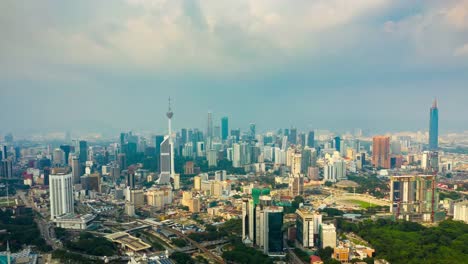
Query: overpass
[{"x": 212, "y": 256}]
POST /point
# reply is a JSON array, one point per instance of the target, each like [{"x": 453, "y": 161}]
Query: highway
[
  {"x": 212, "y": 256},
  {"x": 44, "y": 226}
]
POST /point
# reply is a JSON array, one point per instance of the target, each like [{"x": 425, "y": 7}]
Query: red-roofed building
[{"x": 315, "y": 260}]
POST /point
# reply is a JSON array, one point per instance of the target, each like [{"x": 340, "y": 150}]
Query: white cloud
[
  {"x": 462, "y": 50},
  {"x": 228, "y": 35}
]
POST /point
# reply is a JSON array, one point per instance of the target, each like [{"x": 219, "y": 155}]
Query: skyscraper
[
  {"x": 224, "y": 128},
  {"x": 66, "y": 149},
  {"x": 248, "y": 221},
  {"x": 252, "y": 130},
  {"x": 58, "y": 157},
  {"x": 271, "y": 227},
  {"x": 434, "y": 127},
  {"x": 83, "y": 151},
  {"x": 157, "y": 141},
  {"x": 381, "y": 152},
  {"x": 167, "y": 153},
  {"x": 209, "y": 126},
  {"x": 292, "y": 137},
  {"x": 61, "y": 194},
  {"x": 6, "y": 169},
  {"x": 337, "y": 141}
]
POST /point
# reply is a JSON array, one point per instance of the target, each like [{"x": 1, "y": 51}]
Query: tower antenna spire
[{"x": 434, "y": 104}]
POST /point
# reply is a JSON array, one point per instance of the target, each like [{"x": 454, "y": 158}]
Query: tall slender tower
[
  {"x": 434, "y": 127},
  {"x": 169, "y": 115},
  {"x": 209, "y": 126}
]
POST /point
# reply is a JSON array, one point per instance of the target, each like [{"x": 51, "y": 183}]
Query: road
[
  {"x": 46, "y": 228},
  {"x": 294, "y": 258},
  {"x": 194, "y": 243}
]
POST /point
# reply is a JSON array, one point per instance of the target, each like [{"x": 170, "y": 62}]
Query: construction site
[{"x": 415, "y": 198}]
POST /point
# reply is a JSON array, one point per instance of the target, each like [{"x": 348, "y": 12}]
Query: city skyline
[{"x": 372, "y": 64}]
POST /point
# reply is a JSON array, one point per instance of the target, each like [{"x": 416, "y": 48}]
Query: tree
[
  {"x": 325, "y": 253},
  {"x": 328, "y": 183},
  {"x": 182, "y": 258}
]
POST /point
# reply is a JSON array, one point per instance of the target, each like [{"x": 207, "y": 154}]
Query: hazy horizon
[{"x": 336, "y": 65}]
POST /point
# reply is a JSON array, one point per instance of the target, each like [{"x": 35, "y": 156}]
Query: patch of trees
[
  {"x": 182, "y": 258},
  {"x": 370, "y": 184},
  {"x": 242, "y": 254},
  {"x": 408, "y": 242},
  {"x": 68, "y": 257},
  {"x": 92, "y": 245},
  {"x": 21, "y": 231}
]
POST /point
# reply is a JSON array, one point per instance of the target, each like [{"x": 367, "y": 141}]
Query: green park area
[
  {"x": 7, "y": 202},
  {"x": 362, "y": 204}
]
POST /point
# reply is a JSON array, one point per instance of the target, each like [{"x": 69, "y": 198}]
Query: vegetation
[
  {"x": 182, "y": 258},
  {"x": 240, "y": 253},
  {"x": 331, "y": 212},
  {"x": 68, "y": 257},
  {"x": 326, "y": 255},
  {"x": 451, "y": 195},
  {"x": 232, "y": 227},
  {"x": 294, "y": 205},
  {"x": 179, "y": 242},
  {"x": 363, "y": 204},
  {"x": 89, "y": 244},
  {"x": 408, "y": 242},
  {"x": 370, "y": 184},
  {"x": 302, "y": 255},
  {"x": 21, "y": 230}
]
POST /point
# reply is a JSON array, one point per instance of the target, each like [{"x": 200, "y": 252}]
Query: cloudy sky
[{"x": 93, "y": 65}]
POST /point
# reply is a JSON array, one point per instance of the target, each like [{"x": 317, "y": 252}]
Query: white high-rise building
[
  {"x": 340, "y": 167},
  {"x": 212, "y": 158},
  {"x": 308, "y": 224},
  {"x": 58, "y": 157},
  {"x": 329, "y": 173},
  {"x": 236, "y": 155},
  {"x": 328, "y": 235},
  {"x": 460, "y": 211},
  {"x": 61, "y": 194}
]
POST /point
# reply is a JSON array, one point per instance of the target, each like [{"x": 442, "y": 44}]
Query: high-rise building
[
  {"x": 165, "y": 156},
  {"x": 460, "y": 211},
  {"x": 252, "y": 131},
  {"x": 235, "y": 133},
  {"x": 7, "y": 169},
  {"x": 307, "y": 227},
  {"x": 224, "y": 128},
  {"x": 61, "y": 194},
  {"x": 157, "y": 141},
  {"x": 381, "y": 152},
  {"x": 327, "y": 235},
  {"x": 4, "y": 151},
  {"x": 83, "y": 151},
  {"x": 434, "y": 127},
  {"x": 311, "y": 139},
  {"x": 58, "y": 157},
  {"x": 414, "y": 197},
  {"x": 292, "y": 137},
  {"x": 271, "y": 230},
  {"x": 183, "y": 136},
  {"x": 197, "y": 182},
  {"x": 209, "y": 125},
  {"x": 66, "y": 149},
  {"x": 248, "y": 221},
  {"x": 76, "y": 170},
  {"x": 337, "y": 143}
]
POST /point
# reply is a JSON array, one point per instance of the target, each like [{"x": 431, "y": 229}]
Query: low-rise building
[{"x": 72, "y": 221}]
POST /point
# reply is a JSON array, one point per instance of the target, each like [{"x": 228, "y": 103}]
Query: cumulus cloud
[{"x": 215, "y": 35}]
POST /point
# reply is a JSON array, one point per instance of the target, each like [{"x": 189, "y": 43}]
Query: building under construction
[{"x": 415, "y": 198}]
